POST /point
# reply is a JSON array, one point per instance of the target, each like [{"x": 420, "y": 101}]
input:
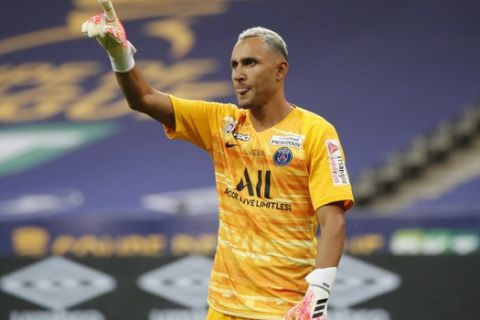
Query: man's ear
[{"x": 282, "y": 70}]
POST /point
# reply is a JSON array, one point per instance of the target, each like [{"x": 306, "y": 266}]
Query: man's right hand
[{"x": 111, "y": 35}]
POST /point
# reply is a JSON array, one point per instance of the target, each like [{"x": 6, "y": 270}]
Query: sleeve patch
[{"x": 338, "y": 170}]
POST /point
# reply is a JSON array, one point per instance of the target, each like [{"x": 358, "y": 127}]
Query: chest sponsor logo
[
  {"x": 258, "y": 189},
  {"x": 283, "y": 156},
  {"x": 337, "y": 164},
  {"x": 291, "y": 141}
]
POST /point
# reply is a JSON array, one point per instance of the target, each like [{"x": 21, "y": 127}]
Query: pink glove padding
[
  {"x": 314, "y": 304},
  {"x": 112, "y": 37}
]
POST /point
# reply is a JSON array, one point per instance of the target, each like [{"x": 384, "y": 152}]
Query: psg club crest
[{"x": 283, "y": 156}]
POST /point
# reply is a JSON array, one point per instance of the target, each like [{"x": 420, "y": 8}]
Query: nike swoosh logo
[{"x": 229, "y": 145}]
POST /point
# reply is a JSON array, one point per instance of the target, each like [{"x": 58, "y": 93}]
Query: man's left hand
[{"x": 314, "y": 304}]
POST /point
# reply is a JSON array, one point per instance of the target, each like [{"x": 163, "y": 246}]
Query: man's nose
[{"x": 238, "y": 74}]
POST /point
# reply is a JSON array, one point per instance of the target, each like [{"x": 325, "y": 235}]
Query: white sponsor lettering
[
  {"x": 338, "y": 171},
  {"x": 242, "y": 137},
  {"x": 337, "y": 164},
  {"x": 291, "y": 141}
]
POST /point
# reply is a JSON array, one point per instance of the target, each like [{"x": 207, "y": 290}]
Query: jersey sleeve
[
  {"x": 328, "y": 179},
  {"x": 195, "y": 121}
]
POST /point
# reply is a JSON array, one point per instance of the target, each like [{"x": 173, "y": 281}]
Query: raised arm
[
  {"x": 110, "y": 34},
  {"x": 142, "y": 97}
]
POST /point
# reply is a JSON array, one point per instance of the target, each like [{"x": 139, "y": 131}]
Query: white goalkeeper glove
[
  {"x": 112, "y": 37},
  {"x": 314, "y": 304}
]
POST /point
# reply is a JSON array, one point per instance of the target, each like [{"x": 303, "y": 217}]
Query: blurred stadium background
[{"x": 102, "y": 218}]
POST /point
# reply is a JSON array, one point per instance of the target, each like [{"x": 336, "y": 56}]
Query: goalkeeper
[{"x": 280, "y": 175}]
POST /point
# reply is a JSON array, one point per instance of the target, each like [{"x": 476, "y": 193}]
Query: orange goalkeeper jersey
[{"x": 269, "y": 185}]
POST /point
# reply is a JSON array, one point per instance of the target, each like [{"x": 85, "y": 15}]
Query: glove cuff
[
  {"x": 322, "y": 277},
  {"x": 122, "y": 60}
]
